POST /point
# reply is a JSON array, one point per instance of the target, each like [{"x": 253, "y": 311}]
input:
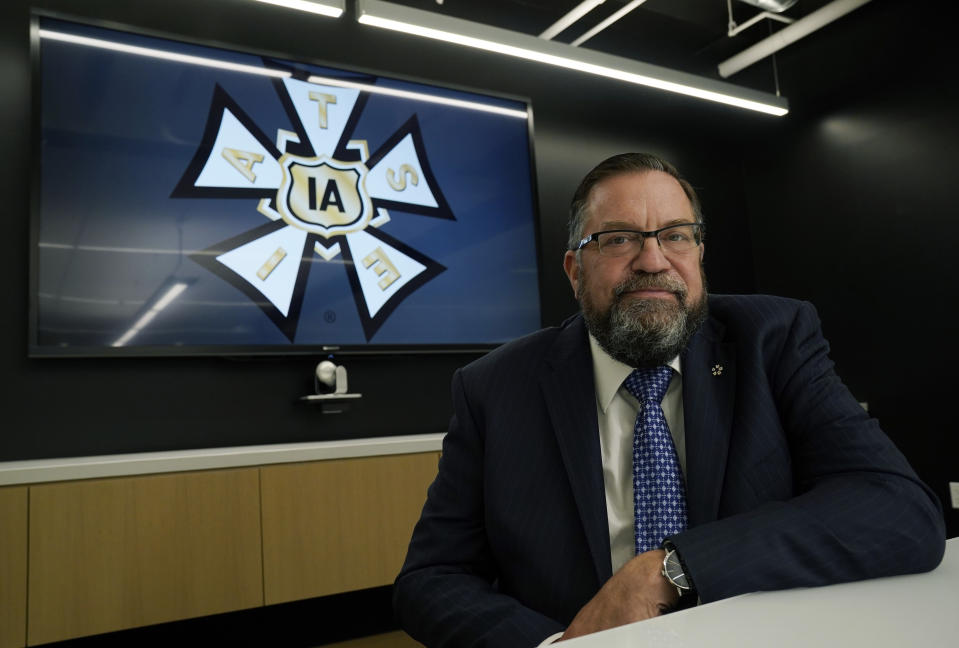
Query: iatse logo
[{"x": 323, "y": 195}]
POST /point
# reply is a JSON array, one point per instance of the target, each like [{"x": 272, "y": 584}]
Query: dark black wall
[
  {"x": 855, "y": 212},
  {"x": 70, "y": 407},
  {"x": 852, "y": 206}
]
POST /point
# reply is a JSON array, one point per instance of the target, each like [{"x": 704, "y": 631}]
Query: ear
[
  {"x": 702, "y": 251},
  {"x": 571, "y": 266}
]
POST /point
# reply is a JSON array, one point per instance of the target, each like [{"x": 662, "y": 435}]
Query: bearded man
[{"x": 664, "y": 448}]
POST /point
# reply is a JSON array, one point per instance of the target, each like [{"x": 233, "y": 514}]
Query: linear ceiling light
[
  {"x": 419, "y": 96},
  {"x": 606, "y": 23},
  {"x": 494, "y": 39},
  {"x": 172, "y": 293},
  {"x": 577, "y": 12},
  {"x": 331, "y": 8},
  {"x": 159, "y": 53}
]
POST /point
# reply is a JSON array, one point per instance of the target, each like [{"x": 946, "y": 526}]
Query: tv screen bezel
[{"x": 35, "y": 350}]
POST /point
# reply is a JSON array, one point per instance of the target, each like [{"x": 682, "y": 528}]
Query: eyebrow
[{"x": 616, "y": 225}]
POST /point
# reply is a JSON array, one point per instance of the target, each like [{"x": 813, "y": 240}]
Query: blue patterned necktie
[{"x": 659, "y": 496}]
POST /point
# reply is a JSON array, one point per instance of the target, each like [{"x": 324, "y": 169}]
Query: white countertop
[
  {"x": 48, "y": 470},
  {"x": 916, "y": 611}
]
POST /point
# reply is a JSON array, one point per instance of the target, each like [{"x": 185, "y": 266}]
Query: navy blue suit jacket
[{"x": 789, "y": 482}]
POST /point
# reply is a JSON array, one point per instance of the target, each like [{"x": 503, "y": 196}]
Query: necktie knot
[{"x": 649, "y": 384}]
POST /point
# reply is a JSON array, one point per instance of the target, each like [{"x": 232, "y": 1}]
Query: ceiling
[{"x": 692, "y": 36}]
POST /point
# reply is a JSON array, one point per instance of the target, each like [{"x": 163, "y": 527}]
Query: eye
[{"x": 617, "y": 239}]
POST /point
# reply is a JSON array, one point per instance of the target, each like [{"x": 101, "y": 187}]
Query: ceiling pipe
[
  {"x": 788, "y": 35},
  {"x": 606, "y": 23},
  {"x": 736, "y": 29},
  {"x": 577, "y": 12}
]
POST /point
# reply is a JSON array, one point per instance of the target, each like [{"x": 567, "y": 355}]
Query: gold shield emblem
[{"x": 324, "y": 195}]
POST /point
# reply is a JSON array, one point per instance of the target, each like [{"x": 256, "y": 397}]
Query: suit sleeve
[
  {"x": 445, "y": 594},
  {"x": 858, "y": 510}
]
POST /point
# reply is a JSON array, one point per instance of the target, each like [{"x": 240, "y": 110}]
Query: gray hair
[{"x": 616, "y": 165}]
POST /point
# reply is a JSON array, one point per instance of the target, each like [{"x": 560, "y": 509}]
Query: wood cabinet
[
  {"x": 13, "y": 566},
  {"x": 119, "y": 553},
  {"x": 86, "y": 557},
  {"x": 338, "y": 526}
]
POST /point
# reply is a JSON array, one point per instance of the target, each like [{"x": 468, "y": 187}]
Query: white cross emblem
[{"x": 323, "y": 193}]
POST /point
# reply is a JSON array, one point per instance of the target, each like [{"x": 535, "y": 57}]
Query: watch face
[{"x": 674, "y": 571}]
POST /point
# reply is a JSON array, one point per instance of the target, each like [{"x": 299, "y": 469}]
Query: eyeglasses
[{"x": 678, "y": 239}]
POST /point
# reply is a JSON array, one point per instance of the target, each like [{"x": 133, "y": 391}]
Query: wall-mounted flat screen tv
[{"x": 197, "y": 200}]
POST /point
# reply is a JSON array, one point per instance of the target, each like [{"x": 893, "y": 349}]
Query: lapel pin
[{"x": 717, "y": 370}]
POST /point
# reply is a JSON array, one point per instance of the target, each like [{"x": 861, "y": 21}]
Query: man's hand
[{"x": 637, "y": 591}]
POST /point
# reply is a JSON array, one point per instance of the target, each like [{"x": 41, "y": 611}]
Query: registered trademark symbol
[{"x": 329, "y": 316}]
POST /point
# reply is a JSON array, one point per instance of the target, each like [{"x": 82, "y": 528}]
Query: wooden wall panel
[
  {"x": 13, "y": 567},
  {"x": 340, "y": 525},
  {"x": 119, "y": 553}
]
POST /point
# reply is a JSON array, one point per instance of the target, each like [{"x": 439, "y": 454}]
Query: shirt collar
[{"x": 609, "y": 373}]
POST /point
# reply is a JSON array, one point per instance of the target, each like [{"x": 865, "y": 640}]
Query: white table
[{"x": 917, "y": 611}]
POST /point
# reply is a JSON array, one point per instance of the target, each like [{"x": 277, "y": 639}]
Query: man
[{"x": 765, "y": 472}]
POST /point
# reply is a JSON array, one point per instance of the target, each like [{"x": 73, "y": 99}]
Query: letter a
[
  {"x": 243, "y": 161},
  {"x": 331, "y": 196}
]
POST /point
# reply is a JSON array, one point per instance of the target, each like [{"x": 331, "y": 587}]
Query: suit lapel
[
  {"x": 569, "y": 392},
  {"x": 709, "y": 384}
]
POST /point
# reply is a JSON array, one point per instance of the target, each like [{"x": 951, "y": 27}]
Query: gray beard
[{"x": 645, "y": 333}]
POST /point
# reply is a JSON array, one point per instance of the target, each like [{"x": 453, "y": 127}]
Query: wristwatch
[{"x": 675, "y": 571}]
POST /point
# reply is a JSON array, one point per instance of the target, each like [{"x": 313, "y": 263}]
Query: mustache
[{"x": 647, "y": 281}]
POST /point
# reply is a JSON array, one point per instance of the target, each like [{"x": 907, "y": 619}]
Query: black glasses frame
[{"x": 699, "y": 231}]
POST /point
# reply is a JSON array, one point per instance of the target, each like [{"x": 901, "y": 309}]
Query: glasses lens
[
  {"x": 680, "y": 238},
  {"x": 619, "y": 243}
]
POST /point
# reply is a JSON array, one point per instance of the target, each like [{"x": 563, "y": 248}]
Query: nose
[{"x": 650, "y": 257}]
